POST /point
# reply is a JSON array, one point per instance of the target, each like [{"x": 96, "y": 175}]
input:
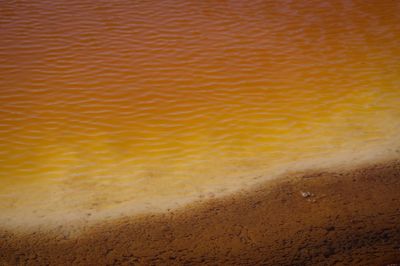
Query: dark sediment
[{"x": 325, "y": 218}]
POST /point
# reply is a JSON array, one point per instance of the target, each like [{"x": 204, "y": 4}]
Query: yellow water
[{"x": 108, "y": 102}]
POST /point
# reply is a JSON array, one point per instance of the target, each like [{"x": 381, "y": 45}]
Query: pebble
[{"x": 306, "y": 194}]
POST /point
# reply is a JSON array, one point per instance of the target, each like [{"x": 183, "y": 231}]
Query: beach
[
  {"x": 199, "y": 133},
  {"x": 348, "y": 217}
]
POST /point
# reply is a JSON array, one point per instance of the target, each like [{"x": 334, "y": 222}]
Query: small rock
[{"x": 306, "y": 194}]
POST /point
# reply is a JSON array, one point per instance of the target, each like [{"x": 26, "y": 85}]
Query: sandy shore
[{"x": 325, "y": 218}]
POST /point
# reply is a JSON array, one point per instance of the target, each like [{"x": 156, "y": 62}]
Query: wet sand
[{"x": 343, "y": 217}]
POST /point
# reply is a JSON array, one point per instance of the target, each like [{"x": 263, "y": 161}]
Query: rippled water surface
[{"x": 107, "y": 101}]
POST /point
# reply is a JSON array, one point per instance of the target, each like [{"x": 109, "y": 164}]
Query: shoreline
[
  {"x": 312, "y": 217},
  {"x": 70, "y": 218}
]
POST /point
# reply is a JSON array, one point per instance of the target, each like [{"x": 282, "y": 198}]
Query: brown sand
[{"x": 351, "y": 218}]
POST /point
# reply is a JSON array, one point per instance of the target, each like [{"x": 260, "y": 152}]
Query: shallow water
[{"x": 107, "y": 102}]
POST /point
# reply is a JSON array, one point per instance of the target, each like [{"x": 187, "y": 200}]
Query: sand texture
[{"x": 321, "y": 218}]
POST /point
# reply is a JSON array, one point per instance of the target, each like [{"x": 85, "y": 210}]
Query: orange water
[{"x": 112, "y": 101}]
